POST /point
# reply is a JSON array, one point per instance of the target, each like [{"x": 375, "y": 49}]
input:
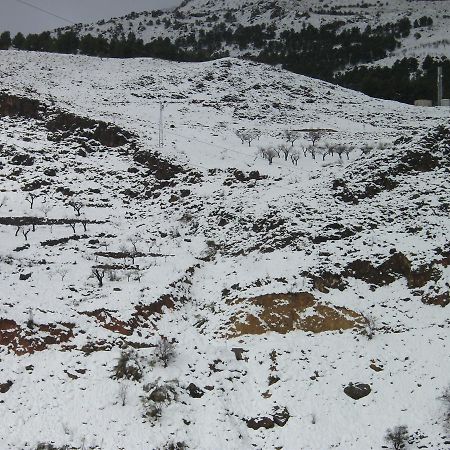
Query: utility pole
[
  {"x": 440, "y": 87},
  {"x": 161, "y": 124}
]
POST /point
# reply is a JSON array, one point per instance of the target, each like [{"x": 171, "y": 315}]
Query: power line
[{"x": 38, "y": 8}]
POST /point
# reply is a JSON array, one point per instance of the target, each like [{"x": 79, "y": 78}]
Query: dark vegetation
[{"x": 323, "y": 52}]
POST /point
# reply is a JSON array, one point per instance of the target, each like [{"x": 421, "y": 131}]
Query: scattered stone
[{"x": 24, "y": 276}]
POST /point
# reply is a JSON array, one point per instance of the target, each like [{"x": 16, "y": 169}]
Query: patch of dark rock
[
  {"x": 22, "y": 159},
  {"x": 356, "y": 391},
  {"x": 34, "y": 185},
  {"x": 437, "y": 300},
  {"x": 12, "y": 105},
  {"x": 24, "y": 276},
  {"x": 160, "y": 168},
  {"x": 326, "y": 281},
  {"x": 260, "y": 422},
  {"x": 5, "y": 387},
  {"x": 106, "y": 134},
  {"x": 53, "y": 242},
  {"x": 24, "y": 247},
  {"x": 194, "y": 391},
  {"x": 281, "y": 416},
  {"x": 50, "y": 172}
]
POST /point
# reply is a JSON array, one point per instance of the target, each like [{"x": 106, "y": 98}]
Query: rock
[
  {"x": 5, "y": 387},
  {"x": 238, "y": 353},
  {"x": 260, "y": 422},
  {"x": 281, "y": 417},
  {"x": 24, "y": 276},
  {"x": 50, "y": 172},
  {"x": 159, "y": 395},
  {"x": 22, "y": 159},
  {"x": 357, "y": 391},
  {"x": 194, "y": 391}
]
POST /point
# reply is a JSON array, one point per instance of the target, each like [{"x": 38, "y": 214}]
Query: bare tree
[
  {"x": 291, "y": 136},
  {"x": 62, "y": 272},
  {"x": 73, "y": 225},
  {"x": 165, "y": 350},
  {"x": 77, "y": 207},
  {"x": 315, "y": 136},
  {"x": 347, "y": 150},
  {"x": 323, "y": 151},
  {"x": 99, "y": 274},
  {"x": 446, "y": 399},
  {"x": 340, "y": 150},
  {"x": 295, "y": 156},
  {"x": 30, "y": 198},
  {"x": 283, "y": 148},
  {"x": 268, "y": 153},
  {"x": 397, "y": 437},
  {"x": 312, "y": 150},
  {"x": 366, "y": 149},
  {"x": 25, "y": 232},
  {"x": 123, "y": 392},
  {"x": 19, "y": 227},
  {"x": 248, "y": 135}
]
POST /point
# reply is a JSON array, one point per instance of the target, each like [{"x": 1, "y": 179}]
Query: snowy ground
[{"x": 210, "y": 244}]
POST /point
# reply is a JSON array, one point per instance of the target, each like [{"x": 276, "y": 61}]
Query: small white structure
[
  {"x": 445, "y": 102},
  {"x": 423, "y": 102}
]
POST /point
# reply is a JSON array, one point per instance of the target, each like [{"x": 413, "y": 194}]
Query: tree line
[{"x": 324, "y": 52}]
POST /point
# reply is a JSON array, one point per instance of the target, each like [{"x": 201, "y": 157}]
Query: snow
[{"x": 46, "y": 405}]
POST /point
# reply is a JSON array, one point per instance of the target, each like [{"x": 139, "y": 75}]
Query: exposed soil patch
[
  {"x": 13, "y": 105},
  {"x": 23, "y": 341},
  {"x": 283, "y": 313}
]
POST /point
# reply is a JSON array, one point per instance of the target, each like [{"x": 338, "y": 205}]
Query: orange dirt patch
[
  {"x": 23, "y": 341},
  {"x": 283, "y": 313}
]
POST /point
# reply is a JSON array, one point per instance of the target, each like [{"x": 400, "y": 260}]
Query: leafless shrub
[
  {"x": 127, "y": 367},
  {"x": 123, "y": 393},
  {"x": 370, "y": 326},
  {"x": 165, "y": 350},
  {"x": 62, "y": 272},
  {"x": 157, "y": 395},
  {"x": 397, "y": 437}
]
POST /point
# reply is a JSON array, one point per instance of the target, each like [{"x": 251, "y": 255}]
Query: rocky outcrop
[{"x": 13, "y": 105}]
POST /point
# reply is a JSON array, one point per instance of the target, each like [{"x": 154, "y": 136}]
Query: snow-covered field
[{"x": 294, "y": 264}]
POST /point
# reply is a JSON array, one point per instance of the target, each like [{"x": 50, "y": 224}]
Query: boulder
[
  {"x": 260, "y": 422},
  {"x": 357, "y": 390},
  {"x": 194, "y": 391},
  {"x": 5, "y": 387}
]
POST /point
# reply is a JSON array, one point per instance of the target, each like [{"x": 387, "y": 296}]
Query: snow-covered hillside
[
  {"x": 279, "y": 284},
  {"x": 192, "y": 16}
]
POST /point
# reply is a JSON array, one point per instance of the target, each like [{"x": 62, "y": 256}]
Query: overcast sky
[{"x": 16, "y": 15}]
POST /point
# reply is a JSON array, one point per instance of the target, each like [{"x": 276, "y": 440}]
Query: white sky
[{"x": 16, "y": 16}]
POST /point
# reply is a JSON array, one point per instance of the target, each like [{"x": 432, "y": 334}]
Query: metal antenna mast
[
  {"x": 440, "y": 86},
  {"x": 161, "y": 124}
]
